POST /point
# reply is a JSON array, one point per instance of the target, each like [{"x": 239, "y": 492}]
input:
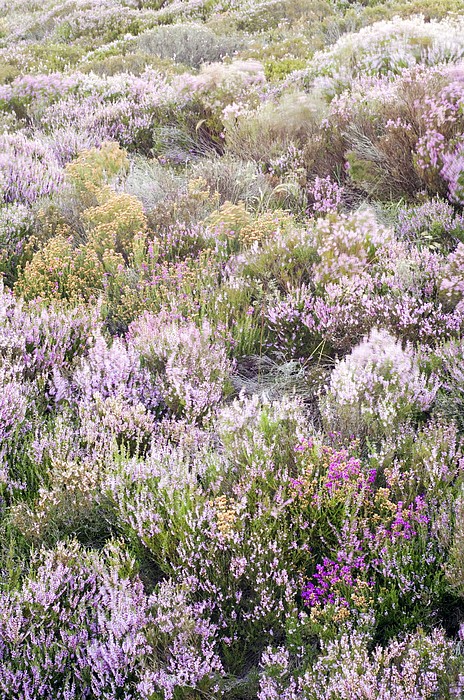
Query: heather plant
[
  {"x": 70, "y": 454},
  {"x": 134, "y": 63},
  {"x": 235, "y": 305},
  {"x": 449, "y": 400},
  {"x": 181, "y": 287},
  {"x": 451, "y": 283},
  {"x": 291, "y": 326},
  {"x": 419, "y": 666},
  {"x": 185, "y": 539},
  {"x": 192, "y": 366},
  {"x": 230, "y": 336},
  {"x": 119, "y": 108},
  {"x": 376, "y": 388},
  {"x": 434, "y": 223},
  {"x": 397, "y": 286},
  {"x": 83, "y": 617},
  {"x": 284, "y": 261},
  {"x": 397, "y": 129},
  {"x": 185, "y": 642},
  {"x": 252, "y": 426},
  {"x": 427, "y": 8},
  {"x": 453, "y": 173},
  {"x": 219, "y": 84},
  {"x": 111, "y": 371},
  {"x": 154, "y": 498},
  {"x": 55, "y": 57},
  {"x": 269, "y": 13},
  {"x": 325, "y": 195},
  {"x": 455, "y": 564},
  {"x": 15, "y": 228},
  {"x": 28, "y": 95},
  {"x": 15, "y": 401},
  {"x": 369, "y": 549},
  {"x": 428, "y": 461},
  {"x": 28, "y": 170},
  {"x": 387, "y": 48},
  {"x": 85, "y": 21},
  {"x": 347, "y": 245},
  {"x": 66, "y": 502},
  {"x": 438, "y": 151},
  {"x": 43, "y": 340}
]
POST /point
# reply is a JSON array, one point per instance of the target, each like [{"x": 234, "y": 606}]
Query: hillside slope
[{"x": 231, "y": 354}]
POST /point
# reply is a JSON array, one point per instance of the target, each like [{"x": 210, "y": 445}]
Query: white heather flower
[{"x": 376, "y": 387}]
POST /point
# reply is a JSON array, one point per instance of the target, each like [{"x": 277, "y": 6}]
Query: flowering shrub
[
  {"x": 451, "y": 286},
  {"x": 452, "y": 171},
  {"x": 414, "y": 667},
  {"x": 347, "y": 244},
  {"x": 43, "y": 340},
  {"x": 28, "y": 170},
  {"x": 398, "y": 130},
  {"x": 387, "y": 48},
  {"x": 83, "y": 619},
  {"x": 434, "y": 222},
  {"x": 94, "y": 167},
  {"x": 186, "y": 646},
  {"x": 14, "y": 402},
  {"x": 114, "y": 371},
  {"x": 231, "y": 320},
  {"x": 59, "y": 271},
  {"x": 192, "y": 368},
  {"x": 377, "y": 387},
  {"x": 219, "y": 83},
  {"x": 439, "y": 149},
  {"x": 326, "y": 195}
]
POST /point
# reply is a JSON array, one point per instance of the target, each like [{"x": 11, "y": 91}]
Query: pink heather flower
[{"x": 326, "y": 195}]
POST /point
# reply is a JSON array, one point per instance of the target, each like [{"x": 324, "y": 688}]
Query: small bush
[
  {"x": 189, "y": 44},
  {"x": 376, "y": 388},
  {"x": 263, "y": 134}
]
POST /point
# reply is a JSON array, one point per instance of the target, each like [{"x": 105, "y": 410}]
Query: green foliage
[
  {"x": 277, "y": 70},
  {"x": 55, "y": 56}
]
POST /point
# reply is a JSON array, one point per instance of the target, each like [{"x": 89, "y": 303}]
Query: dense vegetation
[{"x": 231, "y": 350}]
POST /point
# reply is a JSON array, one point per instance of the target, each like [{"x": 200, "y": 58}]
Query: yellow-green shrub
[
  {"x": 59, "y": 271},
  {"x": 54, "y": 57},
  {"x": 241, "y": 229},
  {"x": 279, "y": 69},
  {"x": 230, "y": 218},
  {"x": 134, "y": 63},
  {"x": 95, "y": 167},
  {"x": 114, "y": 222}
]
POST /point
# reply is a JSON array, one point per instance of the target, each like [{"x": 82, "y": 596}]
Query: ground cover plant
[{"x": 231, "y": 350}]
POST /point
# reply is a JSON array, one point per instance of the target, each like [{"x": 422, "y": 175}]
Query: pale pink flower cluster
[{"x": 377, "y": 386}]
